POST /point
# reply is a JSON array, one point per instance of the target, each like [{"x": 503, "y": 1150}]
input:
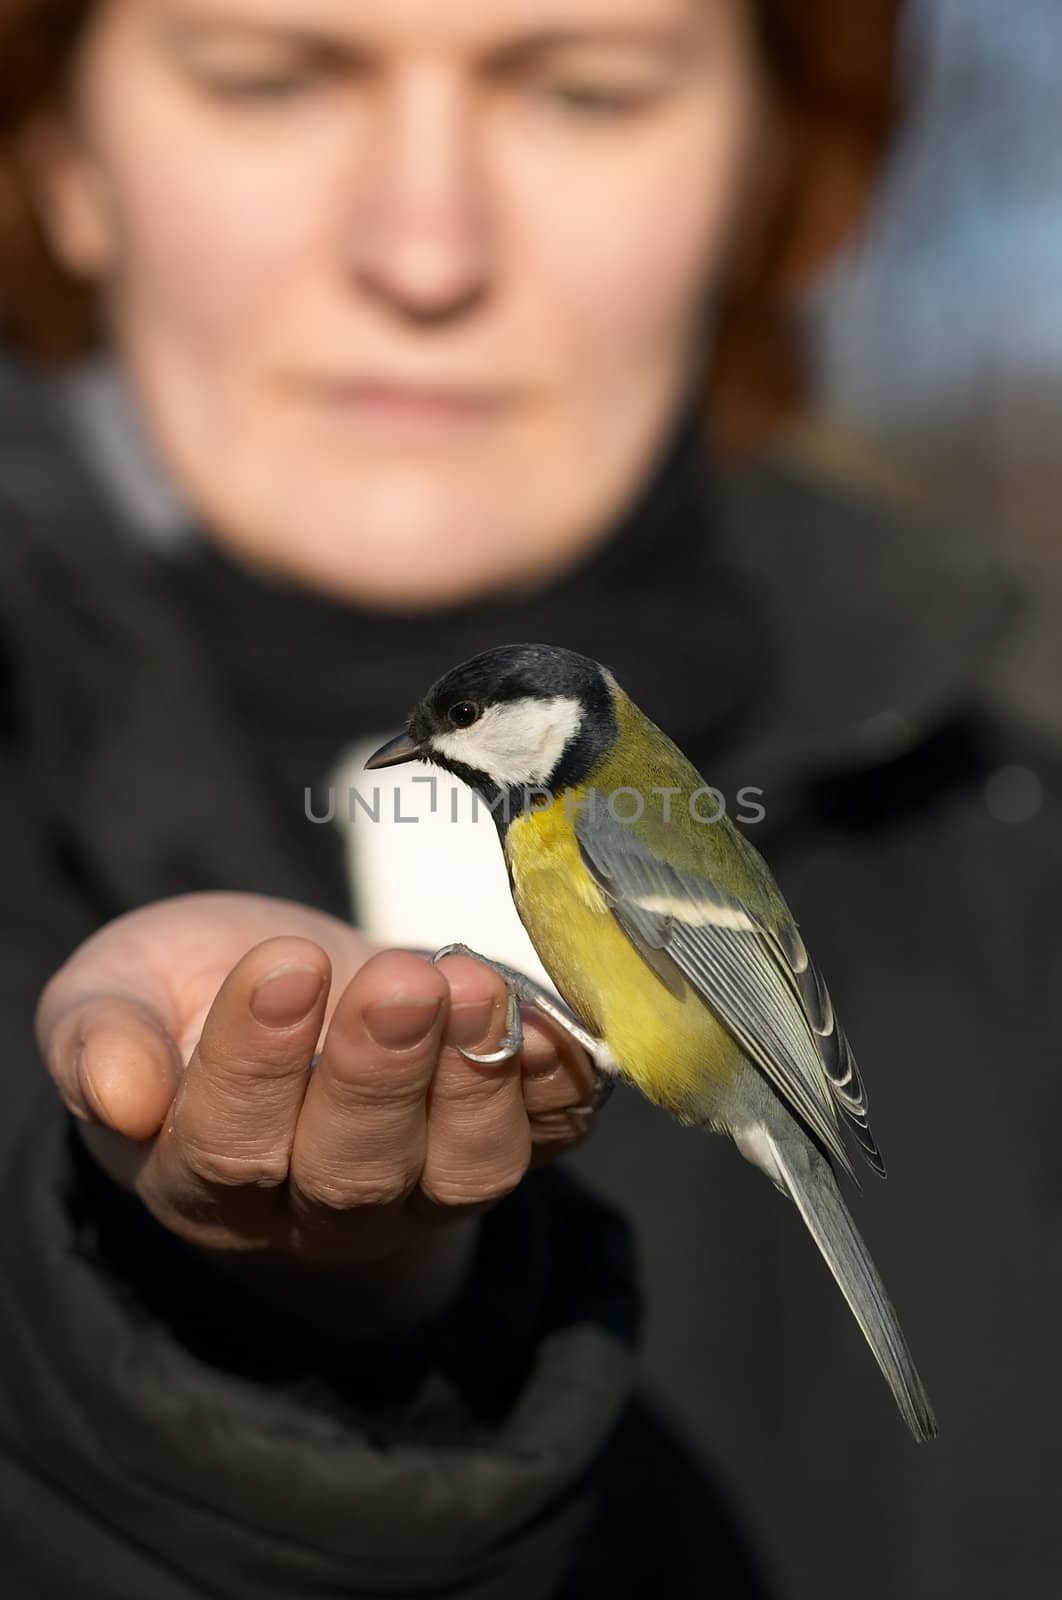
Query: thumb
[{"x": 111, "y": 1059}]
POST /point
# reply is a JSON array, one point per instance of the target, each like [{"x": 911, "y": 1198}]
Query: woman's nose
[{"x": 418, "y": 239}]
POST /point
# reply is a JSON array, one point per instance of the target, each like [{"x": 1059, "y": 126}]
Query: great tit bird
[{"x": 666, "y": 936}]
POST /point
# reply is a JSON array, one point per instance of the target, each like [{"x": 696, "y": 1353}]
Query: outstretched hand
[{"x": 183, "y": 1037}]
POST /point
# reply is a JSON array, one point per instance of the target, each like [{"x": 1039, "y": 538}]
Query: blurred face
[{"x": 410, "y": 290}]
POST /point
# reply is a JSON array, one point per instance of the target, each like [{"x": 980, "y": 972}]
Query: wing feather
[{"x": 759, "y": 981}]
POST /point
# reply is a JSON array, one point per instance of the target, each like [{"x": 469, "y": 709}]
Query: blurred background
[
  {"x": 937, "y": 351},
  {"x": 938, "y": 339}
]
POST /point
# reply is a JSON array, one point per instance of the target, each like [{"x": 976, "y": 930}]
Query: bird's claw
[
  {"x": 521, "y": 988},
  {"x": 513, "y": 1037},
  {"x": 604, "y": 1083}
]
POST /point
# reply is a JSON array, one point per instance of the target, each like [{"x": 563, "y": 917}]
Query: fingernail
[
  {"x": 286, "y": 996},
  {"x": 470, "y": 1023},
  {"x": 398, "y": 1024},
  {"x": 540, "y": 1056},
  {"x": 88, "y": 1088}
]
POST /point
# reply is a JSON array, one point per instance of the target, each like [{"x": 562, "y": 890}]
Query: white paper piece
[{"x": 425, "y": 863}]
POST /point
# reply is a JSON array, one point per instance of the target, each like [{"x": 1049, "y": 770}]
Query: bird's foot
[
  {"x": 602, "y": 1086},
  {"x": 522, "y": 989}
]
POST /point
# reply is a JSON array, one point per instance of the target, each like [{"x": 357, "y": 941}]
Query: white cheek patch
[{"x": 516, "y": 742}]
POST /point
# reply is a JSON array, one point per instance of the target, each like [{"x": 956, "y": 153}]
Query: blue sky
[{"x": 958, "y": 282}]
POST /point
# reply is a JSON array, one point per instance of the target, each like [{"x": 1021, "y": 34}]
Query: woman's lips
[{"x": 399, "y": 406}]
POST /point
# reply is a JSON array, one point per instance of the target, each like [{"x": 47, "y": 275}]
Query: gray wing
[
  {"x": 759, "y": 982},
  {"x": 842, "y": 1075}
]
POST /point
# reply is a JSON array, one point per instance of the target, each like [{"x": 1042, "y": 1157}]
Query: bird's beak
[{"x": 393, "y": 753}]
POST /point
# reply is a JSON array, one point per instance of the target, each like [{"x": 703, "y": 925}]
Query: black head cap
[{"x": 496, "y": 677}]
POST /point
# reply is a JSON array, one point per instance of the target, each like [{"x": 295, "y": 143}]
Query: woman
[{"x": 404, "y": 314}]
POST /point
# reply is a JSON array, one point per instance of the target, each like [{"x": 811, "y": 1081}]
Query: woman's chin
[
  {"x": 408, "y": 552},
  {"x": 405, "y": 571}
]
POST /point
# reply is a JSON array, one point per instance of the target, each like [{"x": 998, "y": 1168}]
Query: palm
[{"x": 229, "y": 1131}]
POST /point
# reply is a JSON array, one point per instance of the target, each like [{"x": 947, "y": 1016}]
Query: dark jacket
[
  {"x": 918, "y": 837},
  {"x": 919, "y": 840},
  {"x": 162, "y": 1436}
]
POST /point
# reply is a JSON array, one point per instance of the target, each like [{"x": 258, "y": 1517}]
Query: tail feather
[{"x": 810, "y": 1183}]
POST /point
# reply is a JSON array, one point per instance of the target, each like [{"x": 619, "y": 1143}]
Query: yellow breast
[{"x": 672, "y": 1049}]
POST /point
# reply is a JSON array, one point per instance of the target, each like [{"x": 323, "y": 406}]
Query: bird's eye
[{"x": 463, "y": 714}]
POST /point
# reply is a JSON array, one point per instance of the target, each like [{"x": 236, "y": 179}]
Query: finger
[
  {"x": 558, "y": 1084},
  {"x": 113, "y": 1063},
  {"x": 479, "y": 1143},
  {"x": 556, "y": 1070},
  {"x": 361, "y": 1138},
  {"x": 235, "y": 1113}
]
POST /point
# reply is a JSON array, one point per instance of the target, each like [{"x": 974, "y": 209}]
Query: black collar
[{"x": 877, "y": 627}]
